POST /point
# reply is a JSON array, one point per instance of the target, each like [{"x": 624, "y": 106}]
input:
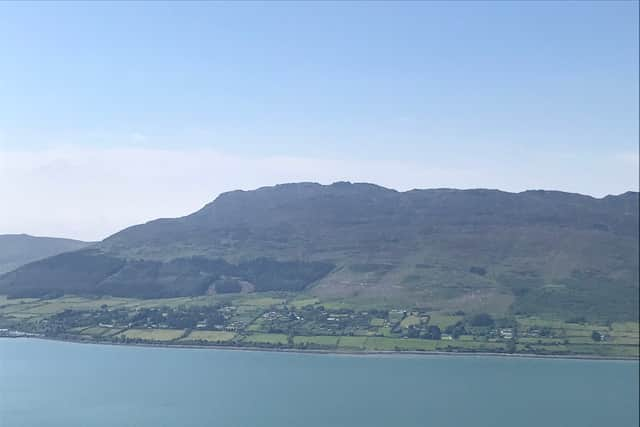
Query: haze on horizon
[{"x": 118, "y": 113}]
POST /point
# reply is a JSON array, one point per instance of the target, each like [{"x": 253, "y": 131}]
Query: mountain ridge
[
  {"x": 627, "y": 194},
  {"x": 20, "y": 249},
  {"x": 532, "y": 251}
]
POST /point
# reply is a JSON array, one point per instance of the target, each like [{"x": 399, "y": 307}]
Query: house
[{"x": 506, "y": 333}]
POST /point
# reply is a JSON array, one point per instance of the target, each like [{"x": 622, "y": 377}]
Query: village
[
  {"x": 310, "y": 320},
  {"x": 288, "y": 321}
]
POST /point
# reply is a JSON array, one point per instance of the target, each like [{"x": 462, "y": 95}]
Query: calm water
[{"x": 45, "y": 383}]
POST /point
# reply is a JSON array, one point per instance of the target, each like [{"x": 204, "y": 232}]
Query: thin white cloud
[{"x": 89, "y": 193}]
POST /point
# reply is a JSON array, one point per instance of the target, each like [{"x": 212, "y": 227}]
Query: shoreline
[{"x": 344, "y": 353}]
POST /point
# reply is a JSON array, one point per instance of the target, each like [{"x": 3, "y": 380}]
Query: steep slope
[
  {"x": 535, "y": 251},
  {"x": 20, "y": 249}
]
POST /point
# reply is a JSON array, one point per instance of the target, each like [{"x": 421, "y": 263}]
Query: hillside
[
  {"x": 537, "y": 252},
  {"x": 19, "y": 249}
]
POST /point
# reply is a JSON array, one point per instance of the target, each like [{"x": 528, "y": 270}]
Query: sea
[{"x": 62, "y": 384}]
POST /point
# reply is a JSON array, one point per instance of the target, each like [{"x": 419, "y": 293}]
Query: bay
[{"x": 49, "y": 383}]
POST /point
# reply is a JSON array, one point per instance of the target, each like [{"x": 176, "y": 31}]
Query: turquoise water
[{"x": 45, "y": 383}]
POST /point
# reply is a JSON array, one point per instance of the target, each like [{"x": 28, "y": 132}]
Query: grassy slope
[{"x": 20, "y": 249}]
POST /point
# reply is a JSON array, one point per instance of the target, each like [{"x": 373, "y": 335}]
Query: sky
[{"x": 113, "y": 114}]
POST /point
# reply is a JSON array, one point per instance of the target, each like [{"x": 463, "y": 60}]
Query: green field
[
  {"x": 377, "y": 322},
  {"x": 274, "y": 339},
  {"x": 258, "y": 301},
  {"x": 298, "y": 303},
  {"x": 328, "y": 341},
  {"x": 443, "y": 320},
  {"x": 161, "y": 335},
  {"x": 626, "y": 340},
  {"x": 390, "y": 344},
  {"x": 629, "y": 327},
  {"x": 97, "y": 331},
  {"x": 352, "y": 343},
  {"x": 256, "y": 326},
  {"x": 543, "y": 349},
  {"x": 410, "y": 321},
  {"x": 210, "y": 336},
  {"x": 4, "y": 300},
  {"x": 541, "y": 341},
  {"x": 395, "y": 316},
  {"x": 43, "y": 308}
]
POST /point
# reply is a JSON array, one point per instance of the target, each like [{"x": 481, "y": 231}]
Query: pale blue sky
[{"x": 515, "y": 95}]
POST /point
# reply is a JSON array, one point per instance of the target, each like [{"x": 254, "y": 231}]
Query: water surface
[{"x": 46, "y": 383}]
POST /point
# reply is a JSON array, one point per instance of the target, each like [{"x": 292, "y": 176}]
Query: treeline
[
  {"x": 185, "y": 317},
  {"x": 91, "y": 272}
]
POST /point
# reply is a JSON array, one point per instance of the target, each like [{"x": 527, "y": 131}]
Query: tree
[
  {"x": 481, "y": 271},
  {"x": 482, "y": 319},
  {"x": 433, "y": 333},
  {"x": 456, "y": 330},
  {"x": 596, "y": 336},
  {"x": 413, "y": 332}
]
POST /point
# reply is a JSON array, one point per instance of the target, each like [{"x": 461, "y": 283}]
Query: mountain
[
  {"x": 19, "y": 249},
  {"x": 537, "y": 252}
]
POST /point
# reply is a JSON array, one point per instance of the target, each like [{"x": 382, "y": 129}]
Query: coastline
[{"x": 364, "y": 353}]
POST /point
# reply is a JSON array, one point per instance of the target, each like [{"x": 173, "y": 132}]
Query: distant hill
[
  {"x": 531, "y": 252},
  {"x": 19, "y": 249}
]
